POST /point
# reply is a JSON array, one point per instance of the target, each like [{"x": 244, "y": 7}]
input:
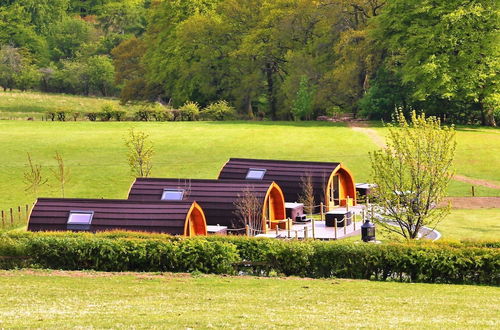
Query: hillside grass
[
  {"x": 16, "y": 104},
  {"x": 55, "y": 299}
]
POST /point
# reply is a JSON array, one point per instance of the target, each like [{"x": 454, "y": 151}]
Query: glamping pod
[
  {"x": 332, "y": 182},
  {"x": 217, "y": 198},
  {"x": 61, "y": 214}
]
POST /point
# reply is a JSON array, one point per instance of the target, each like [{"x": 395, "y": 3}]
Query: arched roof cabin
[
  {"x": 332, "y": 182},
  {"x": 217, "y": 198},
  {"x": 61, "y": 214}
]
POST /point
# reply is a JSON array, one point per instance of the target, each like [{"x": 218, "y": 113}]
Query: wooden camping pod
[
  {"x": 217, "y": 198},
  {"x": 179, "y": 218},
  {"x": 332, "y": 183}
]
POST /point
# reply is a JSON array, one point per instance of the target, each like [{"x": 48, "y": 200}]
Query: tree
[
  {"x": 248, "y": 211},
  {"x": 412, "y": 173},
  {"x": 140, "y": 153},
  {"x": 101, "y": 74},
  {"x": 303, "y": 104},
  {"x": 61, "y": 173},
  {"x": 445, "y": 49},
  {"x": 33, "y": 177},
  {"x": 307, "y": 195},
  {"x": 10, "y": 66}
]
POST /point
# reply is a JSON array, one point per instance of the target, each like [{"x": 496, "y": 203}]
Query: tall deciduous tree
[
  {"x": 412, "y": 173},
  {"x": 446, "y": 49}
]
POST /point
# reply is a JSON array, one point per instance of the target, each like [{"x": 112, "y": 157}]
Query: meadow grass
[
  {"x": 54, "y": 299},
  {"x": 18, "y": 104}
]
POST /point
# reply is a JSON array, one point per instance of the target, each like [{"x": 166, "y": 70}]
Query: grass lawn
[
  {"x": 34, "y": 299},
  {"x": 18, "y": 104},
  {"x": 473, "y": 224},
  {"x": 96, "y": 153}
]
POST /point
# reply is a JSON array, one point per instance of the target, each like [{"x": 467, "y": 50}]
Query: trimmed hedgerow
[{"x": 453, "y": 262}]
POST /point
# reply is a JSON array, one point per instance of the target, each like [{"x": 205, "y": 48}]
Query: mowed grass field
[{"x": 54, "y": 299}]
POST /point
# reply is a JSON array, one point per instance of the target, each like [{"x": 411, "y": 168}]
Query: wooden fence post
[
  {"x": 19, "y": 213},
  {"x": 306, "y": 233},
  {"x": 296, "y": 234},
  {"x": 27, "y": 212},
  {"x": 313, "y": 223},
  {"x": 289, "y": 227},
  {"x": 321, "y": 211},
  {"x": 247, "y": 230},
  {"x": 3, "y": 219},
  {"x": 335, "y": 227},
  {"x": 277, "y": 229},
  {"x": 345, "y": 226},
  {"x": 473, "y": 192},
  {"x": 11, "y": 217}
]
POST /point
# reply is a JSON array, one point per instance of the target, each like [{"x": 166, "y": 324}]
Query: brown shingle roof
[
  {"x": 51, "y": 214},
  {"x": 216, "y": 197},
  {"x": 287, "y": 174}
]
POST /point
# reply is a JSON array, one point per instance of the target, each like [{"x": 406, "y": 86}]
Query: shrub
[
  {"x": 92, "y": 116},
  {"x": 75, "y": 115},
  {"x": 61, "y": 115},
  {"x": 118, "y": 115},
  {"x": 220, "y": 110},
  {"x": 190, "y": 111},
  {"x": 454, "y": 262},
  {"x": 106, "y": 112},
  {"x": 143, "y": 114},
  {"x": 51, "y": 115}
]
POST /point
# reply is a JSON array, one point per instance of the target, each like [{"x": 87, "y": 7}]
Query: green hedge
[{"x": 452, "y": 262}]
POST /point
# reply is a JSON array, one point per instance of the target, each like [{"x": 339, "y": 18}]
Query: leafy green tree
[
  {"x": 10, "y": 66},
  {"x": 303, "y": 103},
  {"x": 445, "y": 49},
  {"x": 412, "y": 173},
  {"x": 101, "y": 74},
  {"x": 68, "y": 36}
]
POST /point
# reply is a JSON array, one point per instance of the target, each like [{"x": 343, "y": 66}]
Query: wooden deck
[{"x": 321, "y": 231}]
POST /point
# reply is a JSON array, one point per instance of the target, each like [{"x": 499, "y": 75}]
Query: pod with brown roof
[
  {"x": 61, "y": 214},
  {"x": 218, "y": 199},
  {"x": 332, "y": 182}
]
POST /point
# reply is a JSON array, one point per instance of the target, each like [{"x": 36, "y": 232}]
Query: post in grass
[
  {"x": 321, "y": 211},
  {"x": 3, "y": 219},
  {"x": 289, "y": 225},
  {"x": 313, "y": 228},
  {"x": 11, "y": 217}
]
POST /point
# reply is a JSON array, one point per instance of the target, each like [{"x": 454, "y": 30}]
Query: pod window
[
  {"x": 80, "y": 220},
  {"x": 172, "y": 195},
  {"x": 256, "y": 173}
]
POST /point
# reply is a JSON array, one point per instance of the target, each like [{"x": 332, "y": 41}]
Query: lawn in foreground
[{"x": 46, "y": 299}]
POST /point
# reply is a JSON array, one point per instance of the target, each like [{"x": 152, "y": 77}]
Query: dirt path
[
  {"x": 379, "y": 141},
  {"x": 472, "y": 202},
  {"x": 476, "y": 182}
]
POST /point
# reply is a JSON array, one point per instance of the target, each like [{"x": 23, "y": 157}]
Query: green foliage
[
  {"x": 412, "y": 174},
  {"x": 444, "y": 49},
  {"x": 190, "y": 111},
  {"x": 140, "y": 153},
  {"x": 220, "y": 110},
  {"x": 303, "y": 104},
  {"x": 416, "y": 262}
]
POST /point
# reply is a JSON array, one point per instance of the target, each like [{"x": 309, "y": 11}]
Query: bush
[
  {"x": 51, "y": 115},
  {"x": 144, "y": 114},
  {"x": 92, "y": 116},
  {"x": 106, "y": 113},
  {"x": 75, "y": 115},
  {"x": 453, "y": 262},
  {"x": 190, "y": 111},
  {"x": 61, "y": 115},
  {"x": 220, "y": 110}
]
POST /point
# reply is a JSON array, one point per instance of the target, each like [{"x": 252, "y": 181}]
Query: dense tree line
[{"x": 281, "y": 59}]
